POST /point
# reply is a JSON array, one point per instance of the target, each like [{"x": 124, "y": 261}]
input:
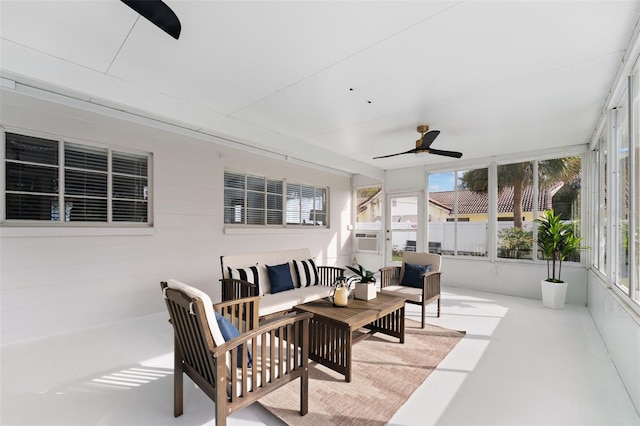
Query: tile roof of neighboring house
[{"x": 470, "y": 202}]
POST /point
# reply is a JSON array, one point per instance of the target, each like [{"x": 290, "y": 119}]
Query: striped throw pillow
[
  {"x": 249, "y": 274},
  {"x": 306, "y": 272}
]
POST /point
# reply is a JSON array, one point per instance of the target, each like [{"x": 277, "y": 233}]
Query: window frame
[
  {"x": 608, "y": 196},
  {"x": 455, "y": 219},
  {"x": 301, "y": 224},
  {"x": 492, "y": 242},
  {"x": 61, "y": 141}
]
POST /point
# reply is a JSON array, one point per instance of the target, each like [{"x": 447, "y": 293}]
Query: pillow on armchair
[
  {"x": 413, "y": 275},
  {"x": 229, "y": 332}
]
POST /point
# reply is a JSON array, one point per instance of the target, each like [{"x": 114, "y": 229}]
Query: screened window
[
  {"x": 516, "y": 210},
  {"x": 616, "y": 171},
  {"x": 633, "y": 238},
  {"x": 42, "y": 175},
  {"x": 621, "y": 184},
  {"x": 369, "y": 208},
  {"x": 458, "y": 212},
  {"x": 462, "y": 215},
  {"x": 600, "y": 210},
  {"x": 257, "y": 200}
]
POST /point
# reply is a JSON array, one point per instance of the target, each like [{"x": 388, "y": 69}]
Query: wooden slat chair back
[
  {"x": 391, "y": 279},
  {"x": 279, "y": 350}
]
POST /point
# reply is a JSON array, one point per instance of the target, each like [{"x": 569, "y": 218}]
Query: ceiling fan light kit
[{"x": 424, "y": 143}]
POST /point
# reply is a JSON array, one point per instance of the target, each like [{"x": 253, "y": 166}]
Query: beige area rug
[{"x": 385, "y": 373}]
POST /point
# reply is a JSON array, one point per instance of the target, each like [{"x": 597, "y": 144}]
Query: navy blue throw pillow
[
  {"x": 413, "y": 274},
  {"x": 280, "y": 278},
  {"x": 229, "y": 331}
]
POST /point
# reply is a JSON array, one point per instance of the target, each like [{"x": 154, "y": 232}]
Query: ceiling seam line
[
  {"x": 121, "y": 45},
  {"x": 45, "y": 54}
]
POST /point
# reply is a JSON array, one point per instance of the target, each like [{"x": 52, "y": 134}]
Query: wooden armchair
[
  {"x": 236, "y": 372},
  {"x": 391, "y": 280}
]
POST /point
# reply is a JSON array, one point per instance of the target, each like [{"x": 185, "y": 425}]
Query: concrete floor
[{"x": 519, "y": 364}]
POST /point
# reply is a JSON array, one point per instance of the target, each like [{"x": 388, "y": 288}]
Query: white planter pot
[
  {"x": 553, "y": 294},
  {"x": 365, "y": 291}
]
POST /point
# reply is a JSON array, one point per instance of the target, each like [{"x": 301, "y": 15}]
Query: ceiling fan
[
  {"x": 158, "y": 13},
  {"x": 423, "y": 144}
]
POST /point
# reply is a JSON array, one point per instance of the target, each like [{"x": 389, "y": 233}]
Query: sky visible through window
[{"x": 441, "y": 181}]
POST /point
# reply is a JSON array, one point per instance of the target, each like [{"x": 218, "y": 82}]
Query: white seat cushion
[
  {"x": 265, "y": 258},
  {"x": 410, "y": 293},
  {"x": 254, "y": 373},
  {"x": 286, "y": 300}
]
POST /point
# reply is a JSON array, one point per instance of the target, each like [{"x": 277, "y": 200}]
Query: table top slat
[{"x": 358, "y": 313}]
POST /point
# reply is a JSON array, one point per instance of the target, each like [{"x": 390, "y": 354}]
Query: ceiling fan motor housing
[{"x": 422, "y": 129}]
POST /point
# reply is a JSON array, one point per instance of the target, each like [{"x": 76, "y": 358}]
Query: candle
[{"x": 341, "y": 296}]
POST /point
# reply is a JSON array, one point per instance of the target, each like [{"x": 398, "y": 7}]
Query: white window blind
[
  {"x": 256, "y": 200},
  {"x": 37, "y": 168},
  {"x": 32, "y": 170},
  {"x": 130, "y": 187}
]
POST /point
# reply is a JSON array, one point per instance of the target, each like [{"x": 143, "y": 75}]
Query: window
[
  {"x": 516, "y": 210},
  {"x": 369, "y": 208},
  {"x": 634, "y": 191},
  {"x": 257, "y": 200},
  {"x": 458, "y": 212},
  {"x": 306, "y": 205},
  {"x": 560, "y": 189},
  {"x": 622, "y": 169},
  {"x": 599, "y": 206},
  {"x": 252, "y": 200},
  {"x": 92, "y": 184},
  {"x": 616, "y": 219},
  {"x": 462, "y": 215}
]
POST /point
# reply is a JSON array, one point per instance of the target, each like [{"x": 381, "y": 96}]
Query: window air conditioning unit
[{"x": 367, "y": 242}]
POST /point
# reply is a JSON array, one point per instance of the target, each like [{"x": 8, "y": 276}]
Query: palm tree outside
[{"x": 519, "y": 176}]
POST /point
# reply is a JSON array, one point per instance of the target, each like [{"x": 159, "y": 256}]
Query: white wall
[
  {"x": 511, "y": 277},
  {"x": 53, "y": 280},
  {"x": 620, "y": 330}
]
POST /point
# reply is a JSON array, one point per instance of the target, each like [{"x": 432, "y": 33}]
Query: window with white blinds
[
  {"x": 92, "y": 184},
  {"x": 257, "y": 200},
  {"x": 306, "y": 205}
]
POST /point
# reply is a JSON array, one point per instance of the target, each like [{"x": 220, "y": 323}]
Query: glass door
[{"x": 403, "y": 230}]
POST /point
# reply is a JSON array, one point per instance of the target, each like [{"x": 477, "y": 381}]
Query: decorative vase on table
[
  {"x": 341, "y": 294},
  {"x": 365, "y": 283},
  {"x": 365, "y": 291}
]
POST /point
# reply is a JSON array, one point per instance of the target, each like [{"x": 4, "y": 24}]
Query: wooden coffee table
[{"x": 334, "y": 330}]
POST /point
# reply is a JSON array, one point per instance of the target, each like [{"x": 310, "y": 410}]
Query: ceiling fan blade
[
  {"x": 428, "y": 138},
  {"x": 158, "y": 13},
  {"x": 445, "y": 153},
  {"x": 411, "y": 151}
]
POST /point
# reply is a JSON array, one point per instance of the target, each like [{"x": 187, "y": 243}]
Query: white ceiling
[{"x": 495, "y": 77}]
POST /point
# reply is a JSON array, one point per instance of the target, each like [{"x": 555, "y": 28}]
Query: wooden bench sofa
[{"x": 283, "y": 279}]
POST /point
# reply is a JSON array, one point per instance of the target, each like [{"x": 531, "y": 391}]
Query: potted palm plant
[
  {"x": 556, "y": 241},
  {"x": 365, "y": 282}
]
